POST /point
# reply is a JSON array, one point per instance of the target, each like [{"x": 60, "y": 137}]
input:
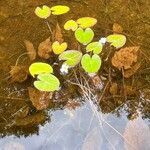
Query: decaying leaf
[
  {"x": 30, "y": 49},
  {"x": 137, "y": 134},
  {"x": 40, "y": 100},
  {"x": 45, "y": 48},
  {"x": 18, "y": 73},
  {"x": 117, "y": 28},
  {"x": 58, "y": 34},
  {"x": 113, "y": 88},
  {"x": 125, "y": 58},
  {"x": 31, "y": 120},
  {"x": 128, "y": 73}
]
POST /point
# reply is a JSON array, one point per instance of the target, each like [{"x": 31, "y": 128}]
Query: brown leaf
[
  {"x": 137, "y": 134},
  {"x": 125, "y": 58},
  {"x": 39, "y": 99},
  {"x": 45, "y": 48},
  {"x": 30, "y": 49},
  {"x": 18, "y": 73},
  {"x": 58, "y": 34},
  {"x": 31, "y": 120},
  {"x": 117, "y": 28},
  {"x": 113, "y": 88},
  {"x": 128, "y": 73}
]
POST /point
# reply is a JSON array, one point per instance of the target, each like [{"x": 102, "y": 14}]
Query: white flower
[
  {"x": 103, "y": 40},
  {"x": 64, "y": 68}
]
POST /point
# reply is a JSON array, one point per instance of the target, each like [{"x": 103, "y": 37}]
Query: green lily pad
[
  {"x": 71, "y": 57},
  {"x": 84, "y": 36},
  {"x": 96, "y": 47},
  {"x": 47, "y": 82},
  {"x": 86, "y": 22},
  {"x": 39, "y": 67},
  {"x": 43, "y": 12},
  {"x": 71, "y": 25},
  {"x": 116, "y": 40},
  {"x": 91, "y": 64},
  {"x": 59, "y": 9}
]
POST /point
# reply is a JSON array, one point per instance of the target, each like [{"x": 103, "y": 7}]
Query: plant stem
[{"x": 48, "y": 25}]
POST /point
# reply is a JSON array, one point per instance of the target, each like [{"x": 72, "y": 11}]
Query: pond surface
[{"x": 105, "y": 119}]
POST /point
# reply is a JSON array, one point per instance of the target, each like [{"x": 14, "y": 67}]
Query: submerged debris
[
  {"x": 45, "y": 48},
  {"x": 18, "y": 73},
  {"x": 31, "y": 120},
  {"x": 125, "y": 57},
  {"x": 30, "y": 49},
  {"x": 39, "y": 99}
]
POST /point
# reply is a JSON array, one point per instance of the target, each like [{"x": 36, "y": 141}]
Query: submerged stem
[{"x": 49, "y": 27}]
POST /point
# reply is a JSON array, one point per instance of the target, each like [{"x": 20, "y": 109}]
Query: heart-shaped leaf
[
  {"x": 116, "y": 40},
  {"x": 59, "y": 9},
  {"x": 96, "y": 47},
  {"x": 39, "y": 67},
  {"x": 59, "y": 48},
  {"x": 91, "y": 64},
  {"x": 84, "y": 36},
  {"x": 86, "y": 22},
  {"x": 71, "y": 25},
  {"x": 47, "y": 82},
  {"x": 43, "y": 12},
  {"x": 72, "y": 57}
]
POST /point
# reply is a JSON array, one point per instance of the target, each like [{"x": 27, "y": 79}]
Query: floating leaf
[
  {"x": 59, "y": 9},
  {"x": 39, "y": 67},
  {"x": 44, "y": 49},
  {"x": 91, "y": 64},
  {"x": 71, "y": 25},
  {"x": 30, "y": 49},
  {"x": 72, "y": 57},
  {"x": 43, "y": 12},
  {"x": 86, "y": 22},
  {"x": 84, "y": 36},
  {"x": 116, "y": 40},
  {"x": 96, "y": 47},
  {"x": 47, "y": 82},
  {"x": 59, "y": 48}
]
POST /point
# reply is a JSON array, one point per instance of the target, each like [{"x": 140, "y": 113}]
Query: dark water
[{"x": 118, "y": 123}]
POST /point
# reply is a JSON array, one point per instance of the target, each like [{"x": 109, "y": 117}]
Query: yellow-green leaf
[
  {"x": 59, "y": 48},
  {"x": 71, "y": 57},
  {"x": 86, "y": 22},
  {"x": 84, "y": 36},
  {"x": 116, "y": 40},
  {"x": 43, "y": 12},
  {"x": 91, "y": 64},
  {"x": 47, "y": 82},
  {"x": 96, "y": 47},
  {"x": 59, "y": 9},
  {"x": 71, "y": 25},
  {"x": 39, "y": 67}
]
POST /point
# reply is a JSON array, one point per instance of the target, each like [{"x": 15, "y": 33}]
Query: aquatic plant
[
  {"x": 46, "y": 80},
  {"x": 90, "y": 60}
]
